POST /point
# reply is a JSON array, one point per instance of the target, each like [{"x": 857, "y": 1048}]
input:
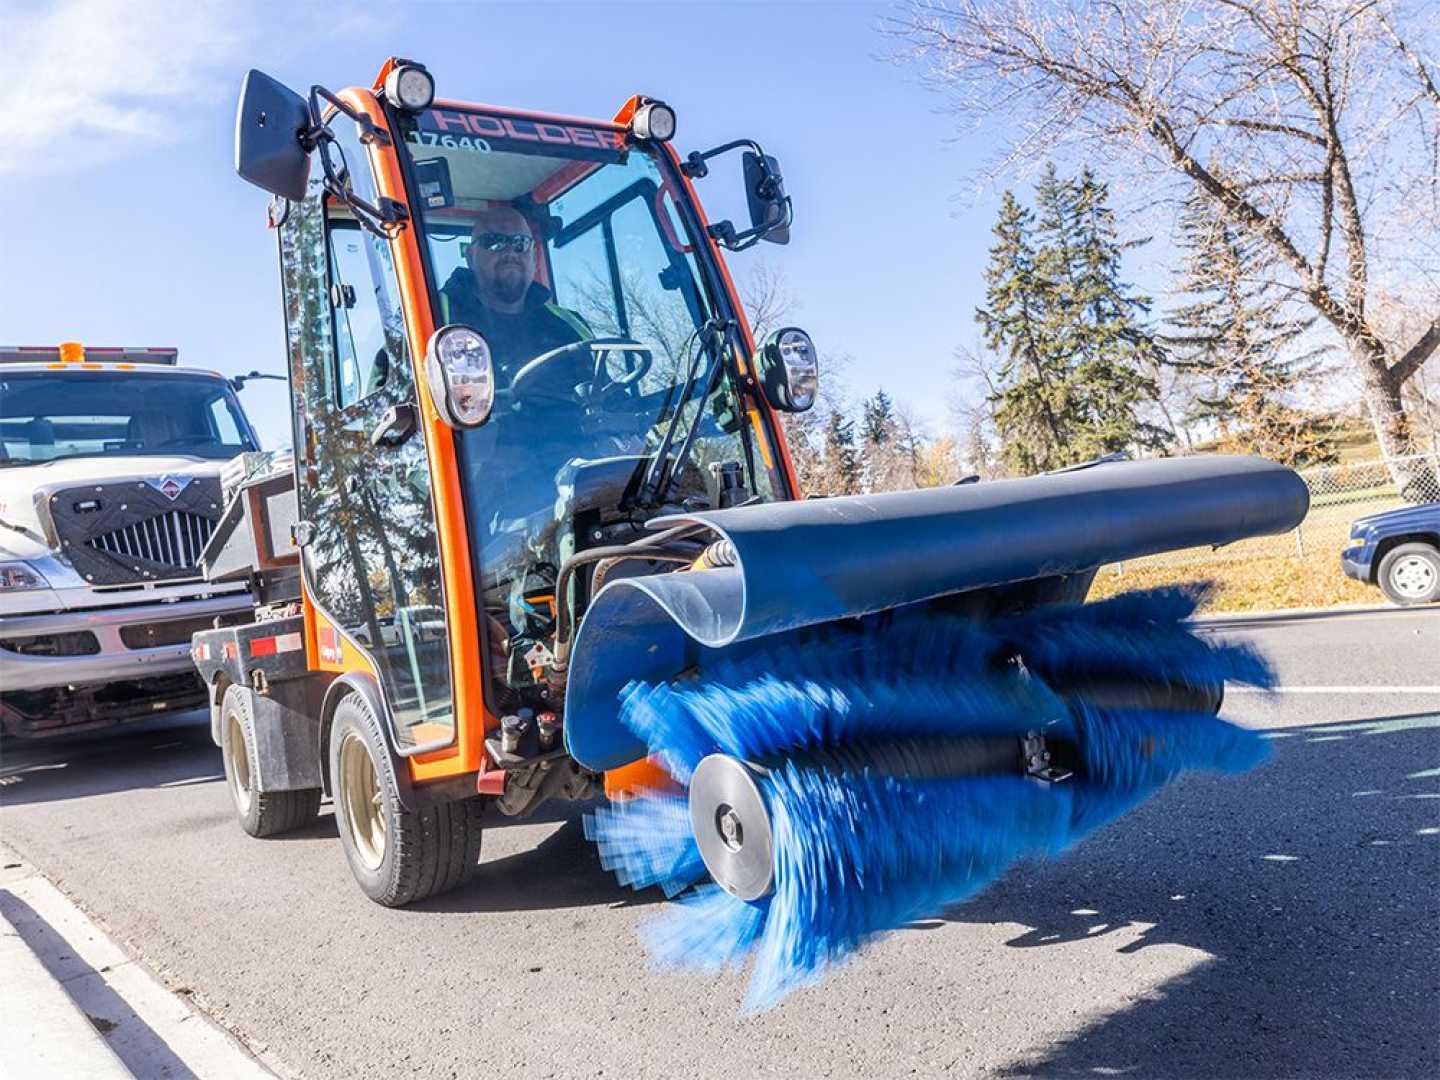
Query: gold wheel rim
[
  {"x": 239, "y": 764},
  {"x": 362, "y": 800}
]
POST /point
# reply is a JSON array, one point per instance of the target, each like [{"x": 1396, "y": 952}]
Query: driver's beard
[{"x": 508, "y": 284}]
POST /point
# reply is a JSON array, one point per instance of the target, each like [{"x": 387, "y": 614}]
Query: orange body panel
[
  {"x": 466, "y": 681},
  {"x": 645, "y": 773}
]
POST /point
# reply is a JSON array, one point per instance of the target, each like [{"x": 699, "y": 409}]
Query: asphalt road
[{"x": 1284, "y": 923}]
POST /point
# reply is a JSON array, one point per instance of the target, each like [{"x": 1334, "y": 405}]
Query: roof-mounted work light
[
  {"x": 654, "y": 121},
  {"x": 409, "y": 86}
]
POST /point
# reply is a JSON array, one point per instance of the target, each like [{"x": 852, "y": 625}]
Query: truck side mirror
[
  {"x": 788, "y": 369},
  {"x": 269, "y": 124},
  {"x": 765, "y": 190}
]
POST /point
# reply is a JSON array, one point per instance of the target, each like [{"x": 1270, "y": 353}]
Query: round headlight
[
  {"x": 461, "y": 376},
  {"x": 802, "y": 368},
  {"x": 410, "y": 87},
  {"x": 654, "y": 121}
]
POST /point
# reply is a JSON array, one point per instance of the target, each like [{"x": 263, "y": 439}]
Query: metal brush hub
[{"x": 732, "y": 826}]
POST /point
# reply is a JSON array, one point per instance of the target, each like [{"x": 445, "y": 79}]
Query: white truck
[{"x": 110, "y": 462}]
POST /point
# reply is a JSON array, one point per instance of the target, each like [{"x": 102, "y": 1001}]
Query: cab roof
[{"x": 71, "y": 355}]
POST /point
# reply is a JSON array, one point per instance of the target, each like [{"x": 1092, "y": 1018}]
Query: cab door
[{"x": 371, "y": 556}]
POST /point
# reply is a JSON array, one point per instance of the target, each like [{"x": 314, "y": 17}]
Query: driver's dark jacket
[{"x": 516, "y": 339}]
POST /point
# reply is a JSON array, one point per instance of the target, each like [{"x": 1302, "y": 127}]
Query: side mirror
[
  {"x": 789, "y": 370},
  {"x": 269, "y": 123},
  {"x": 765, "y": 190},
  {"x": 770, "y": 208}
]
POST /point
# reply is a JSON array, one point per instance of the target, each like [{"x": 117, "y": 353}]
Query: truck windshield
[
  {"x": 567, "y": 248},
  {"x": 51, "y": 415}
]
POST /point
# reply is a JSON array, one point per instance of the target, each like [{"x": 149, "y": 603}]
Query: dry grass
[
  {"x": 1265, "y": 574},
  {"x": 1284, "y": 581}
]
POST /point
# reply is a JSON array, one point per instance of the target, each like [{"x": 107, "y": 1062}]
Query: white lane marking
[{"x": 1334, "y": 690}]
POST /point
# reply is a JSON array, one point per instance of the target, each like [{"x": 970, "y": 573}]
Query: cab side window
[{"x": 369, "y": 325}]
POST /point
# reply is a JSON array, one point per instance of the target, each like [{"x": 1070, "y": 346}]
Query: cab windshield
[
  {"x": 566, "y": 248},
  {"x": 50, "y": 415}
]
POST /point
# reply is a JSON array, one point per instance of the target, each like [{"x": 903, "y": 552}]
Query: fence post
[{"x": 1299, "y": 543}]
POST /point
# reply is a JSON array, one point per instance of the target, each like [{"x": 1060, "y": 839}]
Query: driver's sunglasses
[{"x": 497, "y": 242}]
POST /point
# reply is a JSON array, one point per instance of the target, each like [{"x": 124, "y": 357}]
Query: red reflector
[{"x": 269, "y": 646}]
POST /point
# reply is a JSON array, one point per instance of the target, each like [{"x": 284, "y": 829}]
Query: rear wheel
[
  {"x": 397, "y": 855},
  {"x": 1410, "y": 574},
  {"x": 261, "y": 813}
]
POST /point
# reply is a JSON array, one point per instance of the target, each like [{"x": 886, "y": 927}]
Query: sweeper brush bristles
[{"x": 851, "y": 741}]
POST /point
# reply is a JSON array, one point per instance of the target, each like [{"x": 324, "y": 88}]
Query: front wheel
[
  {"x": 1410, "y": 574},
  {"x": 397, "y": 855}
]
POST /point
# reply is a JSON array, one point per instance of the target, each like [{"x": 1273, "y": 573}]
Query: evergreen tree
[
  {"x": 842, "y": 463},
  {"x": 1237, "y": 338},
  {"x": 878, "y": 418},
  {"x": 1071, "y": 333},
  {"x": 1032, "y": 411}
]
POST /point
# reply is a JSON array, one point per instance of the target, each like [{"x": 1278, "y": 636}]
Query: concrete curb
[
  {"x": 44, "y": 1032},
  {"x": 1300, "y": 614},
  {"x": 78, "y": 1006}
]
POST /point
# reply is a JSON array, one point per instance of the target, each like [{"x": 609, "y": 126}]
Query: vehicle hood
[
  {"x": 25, "y": 528},
  {"x": 1424, "y": 516}
]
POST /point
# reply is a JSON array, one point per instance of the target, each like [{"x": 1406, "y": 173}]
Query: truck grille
[
  {"x": 174, "y": 539},
  {"x": 132, "y": 531}
]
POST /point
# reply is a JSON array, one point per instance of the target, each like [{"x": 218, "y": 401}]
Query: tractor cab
[{"x": 512, "y": 342}]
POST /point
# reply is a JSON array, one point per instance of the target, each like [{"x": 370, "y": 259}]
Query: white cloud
[{"x": 91, "y": 79}]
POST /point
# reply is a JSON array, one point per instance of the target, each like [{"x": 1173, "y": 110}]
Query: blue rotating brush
[{"x": 894, "y": 767}]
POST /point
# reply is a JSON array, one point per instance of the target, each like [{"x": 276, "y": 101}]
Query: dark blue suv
[{"x": 1398, "y": 550}]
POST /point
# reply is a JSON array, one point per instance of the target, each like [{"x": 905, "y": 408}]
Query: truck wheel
[
  {"x": 1410, "y": 574},
  {"x": 262, "y": 813},
  {"x": 396, "y": 855}
]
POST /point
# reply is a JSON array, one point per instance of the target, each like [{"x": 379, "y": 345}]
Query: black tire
[
  {"x": 261, "y": 813},
  {"x": 1410, "y": 574},
  {"x": 419, "y": 853}
]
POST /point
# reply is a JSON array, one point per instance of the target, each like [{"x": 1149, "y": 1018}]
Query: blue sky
[{"x": 127, "y": 225}]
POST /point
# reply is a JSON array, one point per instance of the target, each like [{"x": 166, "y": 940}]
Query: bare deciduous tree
[{"x": 1322, "y": 116}]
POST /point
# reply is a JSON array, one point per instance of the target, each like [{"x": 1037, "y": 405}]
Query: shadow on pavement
[
  {"x": 172, "y": 752},
  {"x": 561, "y": 871},
  {"x": 1313, "y": 884}
]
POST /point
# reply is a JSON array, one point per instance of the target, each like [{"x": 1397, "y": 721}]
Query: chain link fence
[{"x": 1339, "y": 494}]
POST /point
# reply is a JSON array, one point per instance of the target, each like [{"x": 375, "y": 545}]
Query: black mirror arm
[
  {"x": 725, "y": 235},
  {"x": 694, "y": 164},
  {"x": 237, "y": 382},
  {"x": 382, "y": 219}
]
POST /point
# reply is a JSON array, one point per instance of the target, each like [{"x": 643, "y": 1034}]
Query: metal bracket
[{"x": 1035, "y": 759}]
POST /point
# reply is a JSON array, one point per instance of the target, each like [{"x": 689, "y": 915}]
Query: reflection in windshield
[
  {"x": 47, "y": 416},
  {"x": 565, "y": 248}
]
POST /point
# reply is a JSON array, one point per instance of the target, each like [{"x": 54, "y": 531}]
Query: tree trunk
[{"x": 1415, "y": 481}]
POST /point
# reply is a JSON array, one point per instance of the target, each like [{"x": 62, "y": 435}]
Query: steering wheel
[{"x": 530, "y": 378}]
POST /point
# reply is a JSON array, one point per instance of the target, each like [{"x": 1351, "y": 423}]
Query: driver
[{"x": 496, "y": 293}]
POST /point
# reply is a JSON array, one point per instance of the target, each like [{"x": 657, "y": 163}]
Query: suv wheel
[{"x": 1410, "y": 574}]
